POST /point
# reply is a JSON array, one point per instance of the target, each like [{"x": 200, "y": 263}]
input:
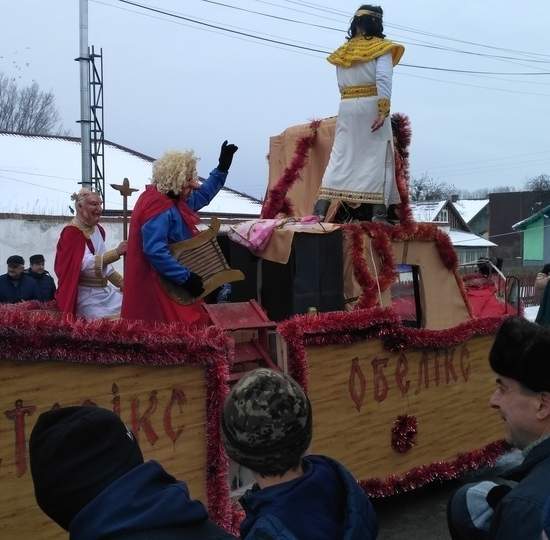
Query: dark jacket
[
  {"x": 543, "y": 314},
  {"x": 325, "y": 503},
  {"x": 509, "y": 507},
  {"x": 519, "y": 514},
  {"x": 18, "y": 290},
  {"x": 145, "y": 504},
  {"x": 46, "y": 285}
]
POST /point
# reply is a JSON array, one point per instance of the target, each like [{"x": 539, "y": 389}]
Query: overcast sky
[{"x": 172, "y": 84}]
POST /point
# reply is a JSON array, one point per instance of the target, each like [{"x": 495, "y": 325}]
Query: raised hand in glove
[
  {"x": 194, "y": 285},
  {"x": 226, "y": 156}
]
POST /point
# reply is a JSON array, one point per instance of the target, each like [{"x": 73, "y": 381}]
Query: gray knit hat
[{"x": 266, "y": 422}]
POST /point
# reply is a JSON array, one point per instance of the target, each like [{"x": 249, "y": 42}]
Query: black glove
[
  {"x": 194, "y": 285},
  {"x": 496, "y": 494},
  {"x": 226, "y": 156}
]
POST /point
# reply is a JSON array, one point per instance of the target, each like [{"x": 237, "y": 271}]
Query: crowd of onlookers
[
  {"x": 90, "y": 476},
  {"x": 19, "y": 284}
]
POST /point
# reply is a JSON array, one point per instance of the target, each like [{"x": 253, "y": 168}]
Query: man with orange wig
[{"x": 165, "y": 213}]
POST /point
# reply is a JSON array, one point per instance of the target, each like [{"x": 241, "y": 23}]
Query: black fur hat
[{"x": 521, "y": 351}]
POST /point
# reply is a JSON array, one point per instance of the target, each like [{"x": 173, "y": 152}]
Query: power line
[
  {"x": 342, "y": 30},
  {"x": 297, "y": 10},
  {"x": 311, "y": 49},
  {"x": 20, "y": 171},
  {"x": 490, "y": 168},
  {"x": 465, "y": 163},
  {"x": 194, "y": 27},
  {"x": 506, "y": 90},
  {"x": 209, "y": 25},
  {"x": 409, "y": 29},
  {"x": 271, "y": 16},
  {"x": 141, "y": 13},
  {"x": 19, "y": 180},
  {"x": 473, "y": 72}
]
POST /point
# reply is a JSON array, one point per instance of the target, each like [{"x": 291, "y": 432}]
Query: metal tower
[{"x": 97, "y": 135}]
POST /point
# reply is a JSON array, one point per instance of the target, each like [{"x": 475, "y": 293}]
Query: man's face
[
  {"x": 15, "y": 270},
  {"x": 519, "y": 408},
  {"x": 89, "y": 209},
  {"x": 37, "y": 268}
]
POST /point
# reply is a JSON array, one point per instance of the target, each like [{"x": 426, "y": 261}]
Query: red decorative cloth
[
  {"x": 144, "y": 298},
  {"x": 68, "y": 260}
]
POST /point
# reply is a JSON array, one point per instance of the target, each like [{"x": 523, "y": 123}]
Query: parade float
[{"x": 373, "y": 320}]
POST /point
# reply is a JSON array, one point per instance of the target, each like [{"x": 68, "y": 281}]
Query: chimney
[{"x": 454, "y": 197}]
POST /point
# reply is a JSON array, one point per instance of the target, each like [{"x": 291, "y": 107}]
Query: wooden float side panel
[
  {"x": 358, "y": 391},
  {"x": 164, "y": 406}
]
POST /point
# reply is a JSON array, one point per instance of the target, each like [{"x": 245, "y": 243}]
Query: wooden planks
[
  {"x": 358, "y": 391},
  {"x": 165, "y": 407}
]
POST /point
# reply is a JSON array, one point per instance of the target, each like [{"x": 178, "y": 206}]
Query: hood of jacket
[
  {"x": 324, "y": 503},
  {"x": 145, "y": 498}
]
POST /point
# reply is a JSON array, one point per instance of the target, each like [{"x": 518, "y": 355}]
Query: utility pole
[{"x": 84, "y": 59}]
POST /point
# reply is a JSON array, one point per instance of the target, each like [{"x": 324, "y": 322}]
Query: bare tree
[
  {"x": 538, "y": 183},
  {"x": 27, "y": 109},
  {"x": 425, "y": 188}
]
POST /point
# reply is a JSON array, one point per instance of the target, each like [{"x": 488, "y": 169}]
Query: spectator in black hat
[
  {"x": 511, "y": 507},
  {"x": 90, "y": 478},
  {"x": 267, "y": 427},
  {"x": 45, "y": 282},
  {"x": 15, "y": 285}
]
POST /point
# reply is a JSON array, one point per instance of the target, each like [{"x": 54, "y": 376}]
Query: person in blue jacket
[
  {"x": 166, "y": 213},
  {"x": 15, "y": 285},
  {"x": 267, "y": 427},
  {"x": 90, "y": 478}
]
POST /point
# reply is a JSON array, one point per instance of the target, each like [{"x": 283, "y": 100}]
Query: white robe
[
  {"x": 97, "y": 302},
  {"x": 361, "y": 168}
]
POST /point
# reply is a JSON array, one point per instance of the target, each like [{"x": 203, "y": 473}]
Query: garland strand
[
  {"x": 29, "y": 333},
  {"x": 438, "y": 471},
  {"x": 277, "y": 200}
]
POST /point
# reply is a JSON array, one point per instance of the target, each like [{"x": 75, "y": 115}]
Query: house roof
[
  {"x": 39, "y": 173},
  {"x": 470, "y": 208},
  {"x": 468, "y": 239},
  {"x": 426, "y": 211},
  {"x": 544, "y": 212}
]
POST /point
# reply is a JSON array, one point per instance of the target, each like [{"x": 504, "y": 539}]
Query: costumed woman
[
  {"x": 361, "y": 171},
  {"x": 165, "y": 214}
]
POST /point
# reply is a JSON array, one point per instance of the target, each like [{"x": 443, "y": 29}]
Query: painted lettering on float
[
  {"x": 155, "y": 419},
  {"x": 371, "y": 380}
]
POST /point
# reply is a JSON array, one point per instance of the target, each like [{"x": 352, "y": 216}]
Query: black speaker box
[{"x": 313, "y": 277}]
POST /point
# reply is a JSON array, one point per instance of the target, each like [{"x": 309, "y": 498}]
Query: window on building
[
  {"x": 405, "y": 294},
  {"x": 443, "y": 216}
]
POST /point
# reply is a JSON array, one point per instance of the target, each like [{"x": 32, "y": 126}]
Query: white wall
[{"x": 27, "y": 237}]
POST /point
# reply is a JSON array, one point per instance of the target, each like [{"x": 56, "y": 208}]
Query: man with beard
[
  {"x": 88, "y": 285},
  {"x": 164, "y": 214},
  {"x": 45, "y": 282}
]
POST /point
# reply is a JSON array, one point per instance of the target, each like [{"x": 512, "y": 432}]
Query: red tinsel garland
[
  {"x": 276, "y": 200},
  {"x": 401, "y": 127},
  {"x": 382, "y": 323},
  {"x": 341, "y": 327},
  {"x": 403, "y": 433},
  {"x": 360, "y": 267},
  {"x": 438, "y": 471},
  {"x": 37, "y": 336},
  {"x": 407, "y": 230}
]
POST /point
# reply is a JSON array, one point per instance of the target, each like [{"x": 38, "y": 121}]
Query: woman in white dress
[{"x": 361, "y": 172}]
